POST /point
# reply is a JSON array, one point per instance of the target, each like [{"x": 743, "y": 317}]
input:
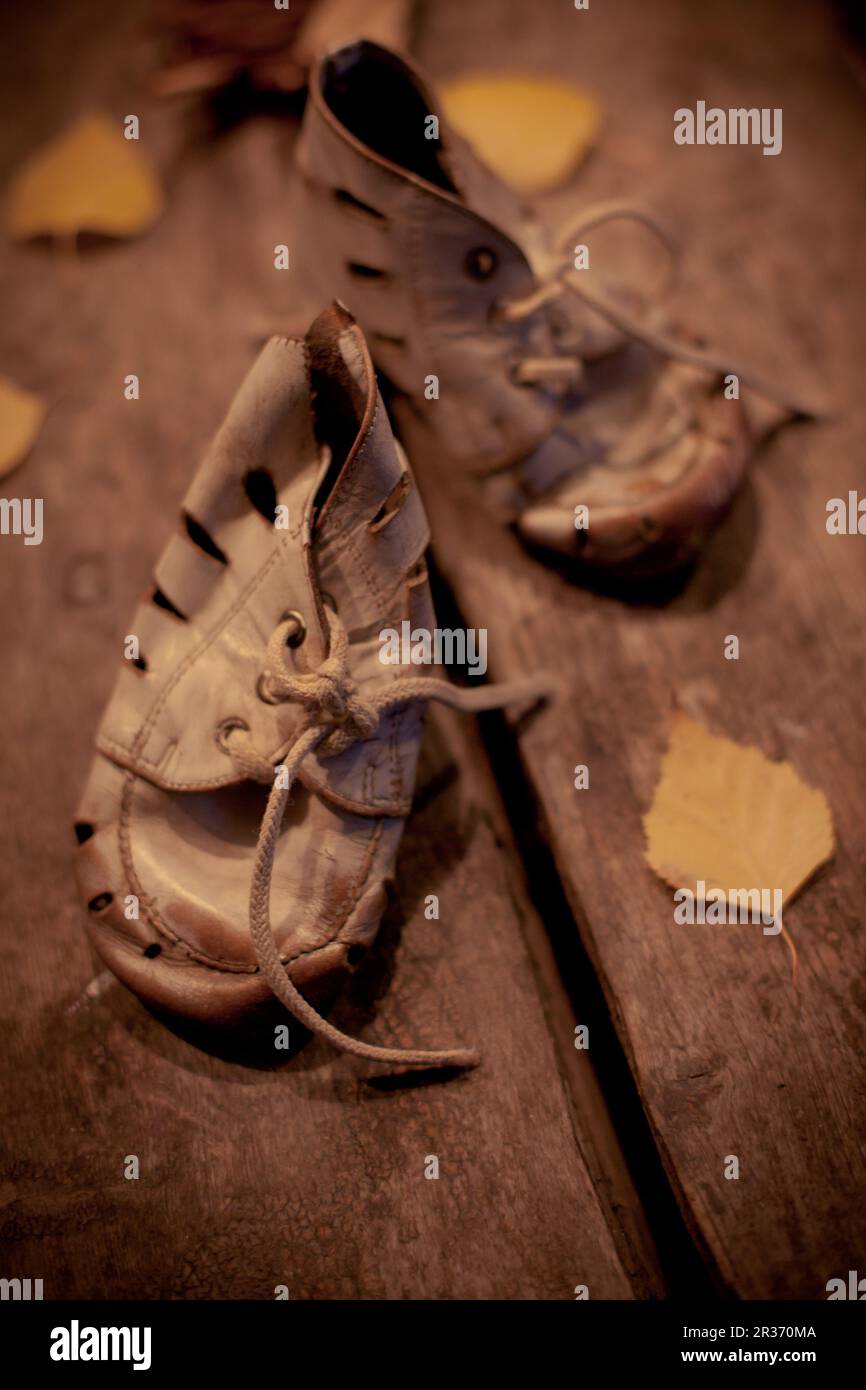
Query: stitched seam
[
  {"x": 399, "y": 807},
  {"x": 133, "y": 750},
  {"x": 389, "y": 806}
]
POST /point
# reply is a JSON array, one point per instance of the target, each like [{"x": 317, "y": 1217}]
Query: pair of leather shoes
[{"x": 256, "y": 761}]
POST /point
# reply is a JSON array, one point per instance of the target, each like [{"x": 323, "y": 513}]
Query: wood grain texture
[
  {"x": 306, "y": 1174},
  {"x": 251, "y": 1176},
  {"x": 727, "y": 1057}
]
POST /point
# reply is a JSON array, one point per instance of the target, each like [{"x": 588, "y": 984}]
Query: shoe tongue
[
  {"x": 340, "y": 373},
  {"x": 344, "y": 396}
]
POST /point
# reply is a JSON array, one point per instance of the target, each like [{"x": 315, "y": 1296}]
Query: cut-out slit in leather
[
  {"x": 392, "y": 504},
  {"x": 83, "y": 831},
  {"x": 199, "y": 537},
  {"x": 140, "y": 663},
  {"x": 100, "y": 902},
  {"x": 386, "y": 339},
  {"x": 417, "y": 574},
  {"x": 259, "y": 487},
  {"x": 365, "y": 272},
  {"x": 163, "y": 601},
  {"x": 349, "y": 200},
  {"x": 153, "y": 950}
]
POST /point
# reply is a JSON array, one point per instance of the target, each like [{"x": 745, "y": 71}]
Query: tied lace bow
[
  {"x": 560, "y": 278},
  {"x": 337, "y": 716}
]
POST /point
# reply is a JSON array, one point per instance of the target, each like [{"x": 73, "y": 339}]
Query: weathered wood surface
[
  {"x": 727, "y": 1057},
  {"x": 251, "y": 1176},
  {"x": 305, "y": 1174}
]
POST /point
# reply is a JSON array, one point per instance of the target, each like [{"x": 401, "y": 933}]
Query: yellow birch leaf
[
  {"x": 732, "y": 817},
  {"x": 532, "y": 131},
  {"x": 89, "y": 179},
  {"x": 21, "y": 416}
]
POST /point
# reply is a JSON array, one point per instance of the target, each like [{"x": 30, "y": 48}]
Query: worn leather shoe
[
  {"x": 587, "y": 421},
  {"x": 256, "y": 761}
]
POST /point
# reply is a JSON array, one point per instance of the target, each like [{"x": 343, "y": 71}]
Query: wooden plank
[
  {"x": 727, "y": 1057},
  {"x": 307, "y": 1174},
  {"x": 251, "y": 1176}
]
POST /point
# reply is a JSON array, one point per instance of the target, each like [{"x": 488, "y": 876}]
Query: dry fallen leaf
[
  {"x": 89, "y": 179},
  {"x": 21, "y": 416},
  {"x": 730, "y": 816},
  {"x": 533, "y": 131}
]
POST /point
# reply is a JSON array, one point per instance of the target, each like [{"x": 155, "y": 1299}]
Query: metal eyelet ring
[
  {"x": 480, "y": 263},
  {"x": 262, "y": 691},
  {"x": 295, "y": 638},
  {"x": 225, "y": 728}
]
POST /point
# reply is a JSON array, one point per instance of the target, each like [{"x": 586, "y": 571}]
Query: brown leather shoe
[
  {"x": 258, "y": 666},
  {"x": 560, "y": 391}
]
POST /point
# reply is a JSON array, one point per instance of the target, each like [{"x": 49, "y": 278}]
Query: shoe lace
[
  {"x": 337, "y": 716},
  {"x": 560, "y": 278}
]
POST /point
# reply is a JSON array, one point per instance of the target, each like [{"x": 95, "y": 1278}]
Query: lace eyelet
[
  {"x": 262, "y": 691},
  {"x": 480, "y": 263},
  {"x": 227, "y": 727},
  {"x": 294, "y": 639}
]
